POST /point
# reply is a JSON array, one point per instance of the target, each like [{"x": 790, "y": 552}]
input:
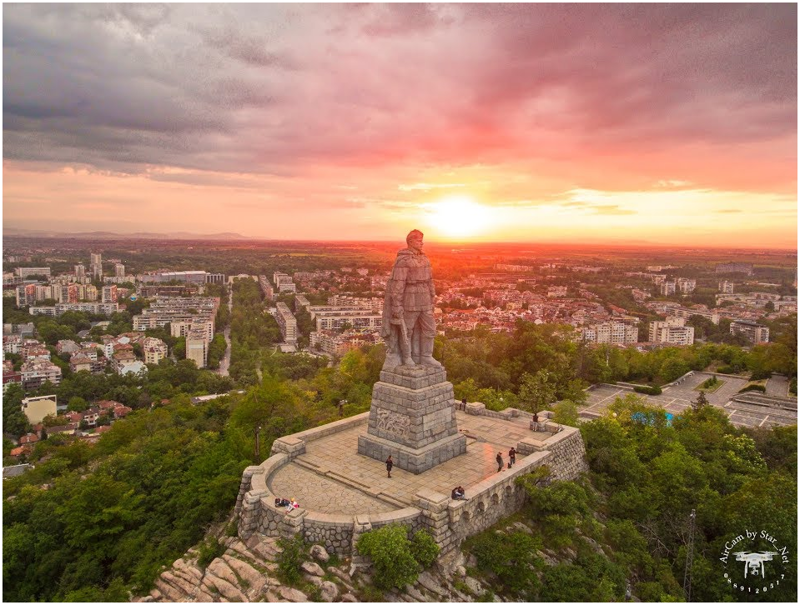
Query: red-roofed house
[
  {"x": 29, "y": 438},
  {"x": 120, "y": 410}
]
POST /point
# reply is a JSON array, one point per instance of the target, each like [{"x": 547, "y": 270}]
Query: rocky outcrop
[{"x": 247, "y": 572}]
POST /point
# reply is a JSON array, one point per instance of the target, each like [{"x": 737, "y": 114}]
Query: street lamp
[{"x": 258, "y": 445}]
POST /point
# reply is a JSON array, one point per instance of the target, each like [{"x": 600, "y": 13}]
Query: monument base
[
  {"x": 412, "y": 418},
  {"x": 409, "y": 459}
]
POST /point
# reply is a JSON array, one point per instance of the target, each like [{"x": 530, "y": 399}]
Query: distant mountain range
[{"x": 14, "y": 231}]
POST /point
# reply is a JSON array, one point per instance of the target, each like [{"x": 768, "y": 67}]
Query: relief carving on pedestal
[{"x": 393, "y": 423}]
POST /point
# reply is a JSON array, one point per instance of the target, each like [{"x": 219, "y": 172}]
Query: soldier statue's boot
[
  {"x": 408, "y": 361},
  {"x": 426, "y": 355}
]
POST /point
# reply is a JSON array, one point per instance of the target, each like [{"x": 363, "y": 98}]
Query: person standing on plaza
[
  {"x": 389, "y": 465},
  {"x": 512, "y": 456},
  {"x": 499, "y": 459}
]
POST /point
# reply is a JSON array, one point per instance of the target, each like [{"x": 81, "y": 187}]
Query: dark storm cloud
[{"x": 273, "y": 88}]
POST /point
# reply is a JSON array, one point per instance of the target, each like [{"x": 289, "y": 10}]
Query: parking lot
[{"x": 677, "y": 398}]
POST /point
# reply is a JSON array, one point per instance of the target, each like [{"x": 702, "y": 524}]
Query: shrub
[
  {"x": 391, "y": 554},
  {"x": 424, "y": 548},
  {"x": 510, "y": 557},
  {"x": 726, "y": 370},
  {"x": 710, "y": 383},
  {"x": 292, "y": 555},
  {"x": 209, "y": 550},
  {"x": 648, "y": 390},
  {"x": 754, "y": 387}
]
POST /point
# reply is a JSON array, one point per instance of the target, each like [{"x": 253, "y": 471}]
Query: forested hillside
[
  {"x": 93, "y": 522},
  {"x": 628, "y": 524}
]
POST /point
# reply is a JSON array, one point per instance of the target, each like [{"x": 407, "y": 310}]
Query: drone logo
[
  {"x": 766, "y": 562},
  {"x": 754, "y": 561}
]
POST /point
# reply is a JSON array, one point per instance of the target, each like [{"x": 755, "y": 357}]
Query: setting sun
[{"x": 458, "y": 216}]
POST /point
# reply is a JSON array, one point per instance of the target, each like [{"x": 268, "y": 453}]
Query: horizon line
[{"x": 238, "y": 237}]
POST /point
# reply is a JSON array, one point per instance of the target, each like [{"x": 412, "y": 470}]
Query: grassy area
[{"x": 711, "y": 385}]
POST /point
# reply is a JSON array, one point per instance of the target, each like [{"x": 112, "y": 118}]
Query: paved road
[{"x": 225, "y": 362}]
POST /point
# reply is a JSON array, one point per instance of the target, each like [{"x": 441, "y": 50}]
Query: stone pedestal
[{"x": 412, "y": 418}]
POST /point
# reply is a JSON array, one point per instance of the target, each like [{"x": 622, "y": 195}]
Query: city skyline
[{"x": 659, "y": 124}]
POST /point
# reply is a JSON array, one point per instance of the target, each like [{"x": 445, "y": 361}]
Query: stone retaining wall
[{"x": 490, "y": 500}]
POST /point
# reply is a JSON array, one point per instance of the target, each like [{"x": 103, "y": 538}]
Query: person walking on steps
[{"x": 389, "y": 465}]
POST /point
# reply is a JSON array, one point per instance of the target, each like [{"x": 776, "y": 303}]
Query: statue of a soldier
[{"x": 408, "y": 324}]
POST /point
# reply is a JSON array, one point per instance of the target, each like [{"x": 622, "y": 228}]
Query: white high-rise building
[
  {"x": 80, "y": 272},
  {"x": 668, "y": 287},
  {"x": 119, "y": 270},
  {"x": 672, "y": 331},
  {"x": 686, "y": 285},
  {"x": 96, "y": 264}
]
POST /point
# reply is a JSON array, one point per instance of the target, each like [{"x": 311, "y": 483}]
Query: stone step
[
  {"x": 308, "y": 463},
  {"x": 337, "y": 476},
  {"x": 393, "y": 500}
]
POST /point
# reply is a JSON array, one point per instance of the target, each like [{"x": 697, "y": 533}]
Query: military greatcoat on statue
[{"x": 408, "y": 326}]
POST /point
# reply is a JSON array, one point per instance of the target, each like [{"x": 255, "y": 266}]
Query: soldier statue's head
[{"x": 415, "y": 234}]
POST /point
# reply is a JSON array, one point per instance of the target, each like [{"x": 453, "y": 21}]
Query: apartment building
[
  {"x": 266, "y": 287},
  {"x": 26, "y": 295},
  {"x": 686, "y": 285},
  {"x": 611, "y": 332},
  {"x": 283, "y": 282},
  {"x": 109, "y": 294},
  {"x": 119, "y": 270},
  {"x": 287, "y": 323},
  {"x": 335, "y": 318},
  {"x": 713, "y": 316},
  {"x": 726, "y": 287},
  {"x": 333, "y": 343},
  {"x": 96, "y": 265},
  {"x": 86, "y": 307},
  {"x": 755, "y": 333},
  {"x": 35, "y": 372},
  {"x": 25, "y": 272},
  {"x": 192, "y": 277},
  {"x": 154, "y": 349},
  {"x": 197, "y": 346},
  {"x": 182, "y": 327},
  {"x": 672, "y": 331},
  {"x": 180, "y": 313},
  {"x": 667, "y": 287}
]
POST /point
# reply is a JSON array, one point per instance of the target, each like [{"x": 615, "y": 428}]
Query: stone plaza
[{"x": 342, "y": 493}]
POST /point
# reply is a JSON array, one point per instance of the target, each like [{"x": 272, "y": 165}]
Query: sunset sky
[{"x": 668, "y": 124}]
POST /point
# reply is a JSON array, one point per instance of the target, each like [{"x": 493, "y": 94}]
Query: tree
[
  {"x": 700, "y": 402},
  {"x": 537, "y": 391},
  {"x": 566, "y": 412},
  {"x": 77, "y": 404}
]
